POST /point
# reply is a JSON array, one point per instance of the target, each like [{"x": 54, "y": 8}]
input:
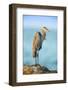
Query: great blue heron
[{"x": 38, "y": 39}]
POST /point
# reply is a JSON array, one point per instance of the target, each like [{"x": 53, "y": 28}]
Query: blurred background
[{"x": 48, "y": 53}]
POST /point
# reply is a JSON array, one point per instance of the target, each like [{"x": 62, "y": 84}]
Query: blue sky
[
  {"x": 48, "y": 53},
  {"x": 37, "y": 21}
]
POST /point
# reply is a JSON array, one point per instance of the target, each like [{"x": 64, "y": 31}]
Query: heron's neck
[{"x": 43, "y": 36}]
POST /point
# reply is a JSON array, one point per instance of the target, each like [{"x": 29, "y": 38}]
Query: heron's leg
[
  {"x": 38, "y": 57},
  {"x": 35, "y": 60}
]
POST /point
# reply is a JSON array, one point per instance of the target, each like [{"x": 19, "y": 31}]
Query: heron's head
[{"x": 44, "y": 30}]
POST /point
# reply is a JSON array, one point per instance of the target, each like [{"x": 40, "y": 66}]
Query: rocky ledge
[{"x": 36, "y": 69}]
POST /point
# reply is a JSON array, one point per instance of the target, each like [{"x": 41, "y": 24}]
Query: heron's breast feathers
[{"x": 37, "y": 41}]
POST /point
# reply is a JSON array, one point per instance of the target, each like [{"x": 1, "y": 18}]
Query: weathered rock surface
[
  {"x": 27, "y": 69},
  {"x": 35, "y": 69}
]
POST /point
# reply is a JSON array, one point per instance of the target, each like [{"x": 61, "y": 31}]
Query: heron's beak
[{"x": 48, "y": 31}]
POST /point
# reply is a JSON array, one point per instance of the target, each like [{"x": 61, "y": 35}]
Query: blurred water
[{"x": 48, "y": 53}]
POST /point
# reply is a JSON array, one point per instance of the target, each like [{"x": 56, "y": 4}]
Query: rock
[
  {"x": 27, "y": 69},
  {"x": 35, "y": 69},
  {"x": 45, "y": 69}
]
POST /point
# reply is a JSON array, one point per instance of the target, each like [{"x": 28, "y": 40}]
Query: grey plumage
[{"x": 38, "y": 39}]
